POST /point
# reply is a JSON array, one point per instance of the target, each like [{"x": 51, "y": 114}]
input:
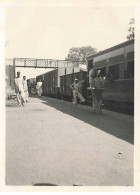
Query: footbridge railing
[{"x": 44, "y": 63}]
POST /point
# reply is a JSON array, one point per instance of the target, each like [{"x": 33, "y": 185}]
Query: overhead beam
[{"x": 44, "y": 63}]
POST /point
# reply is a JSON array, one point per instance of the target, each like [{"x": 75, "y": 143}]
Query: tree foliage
[
  {"x": 80, "y": 53},
  {"x": 131, "y": 29}
]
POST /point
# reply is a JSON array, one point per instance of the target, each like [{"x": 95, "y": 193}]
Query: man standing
[
  {"x": 19, "y": 90},
  {"x": 39, "y": 88},
  {"x": 25, "y": 87},
  {"x": 91, "y": 77},
  {"x": 76, "y": 94},
  {"x": 98, "y": 84}
]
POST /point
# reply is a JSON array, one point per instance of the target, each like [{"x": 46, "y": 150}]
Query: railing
[{"x": 43, "y": 63}]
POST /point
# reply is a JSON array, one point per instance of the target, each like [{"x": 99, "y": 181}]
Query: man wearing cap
[
  {"x": 75, "y": 88},
  {"x": 19, "y": 90}
]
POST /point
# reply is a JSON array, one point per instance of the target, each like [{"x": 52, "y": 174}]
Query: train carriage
[
  {"x": 51, "y": 81},
  {"x": 67, "y": 80},
  {"x": 117, "y": 66}
]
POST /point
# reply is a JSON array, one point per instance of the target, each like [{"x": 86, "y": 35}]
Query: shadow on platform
[{"x": 110, "y": 124}]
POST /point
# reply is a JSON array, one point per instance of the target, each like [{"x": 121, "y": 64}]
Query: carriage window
[
  {"x": 129, "y": 73},
  {"x": 103, "y": 72},
  {"x": 117, "y": 71},
  {"x": 114, "y": 71},
  {"x": 130, "y": 68}
]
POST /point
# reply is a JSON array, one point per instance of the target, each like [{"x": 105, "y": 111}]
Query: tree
[
  {"x": 80, "y": 53},
  {"x": 131, "y": 29}
]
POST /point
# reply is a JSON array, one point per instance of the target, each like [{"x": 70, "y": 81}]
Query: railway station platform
[{"x": 53, "y": 141}]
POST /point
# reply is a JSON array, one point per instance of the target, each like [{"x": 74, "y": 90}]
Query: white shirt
[
  {"x": 76, "y": 86},
  {"x": 39, "y": 84},
  {"x": 25, "y": 86},
  {"x": 91, "y": 74},
  {"x": 19, "y": 84}
]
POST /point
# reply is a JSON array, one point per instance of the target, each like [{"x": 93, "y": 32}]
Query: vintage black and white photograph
[{"x": 69, "y": 95}]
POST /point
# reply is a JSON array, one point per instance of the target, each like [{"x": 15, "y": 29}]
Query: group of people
[
  {"x": 96, "y": 82},
  {"x": 21, "y": 89}
]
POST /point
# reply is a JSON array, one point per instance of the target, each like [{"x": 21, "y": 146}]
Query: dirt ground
[{"x": 53, "y": 141}]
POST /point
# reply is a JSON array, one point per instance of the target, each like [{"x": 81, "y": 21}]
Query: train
[
  {"x": 67, "y": 80},
  {"x": 51, "y": 84},
  {"x": 117, "y": 67}
]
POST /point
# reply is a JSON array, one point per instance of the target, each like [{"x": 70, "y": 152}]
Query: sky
[{"x": 49, "y": 32}]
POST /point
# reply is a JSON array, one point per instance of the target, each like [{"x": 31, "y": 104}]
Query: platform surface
[{"x": 54, "y": 141}]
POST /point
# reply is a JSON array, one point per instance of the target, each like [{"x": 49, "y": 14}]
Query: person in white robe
[
  {"x": 19, "y": 90},
  {"x": 25, "y": 87},
  {"x": 39, "y": 88}
]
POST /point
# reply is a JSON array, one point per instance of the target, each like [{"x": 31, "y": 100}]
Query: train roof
[
  {"x": 112, "y": 48},
  {"x": 44, "y": 73},
  {"x": 82, "y": 70}
]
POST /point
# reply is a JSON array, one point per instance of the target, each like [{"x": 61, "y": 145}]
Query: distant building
[{"x": 9, "y": 80}]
